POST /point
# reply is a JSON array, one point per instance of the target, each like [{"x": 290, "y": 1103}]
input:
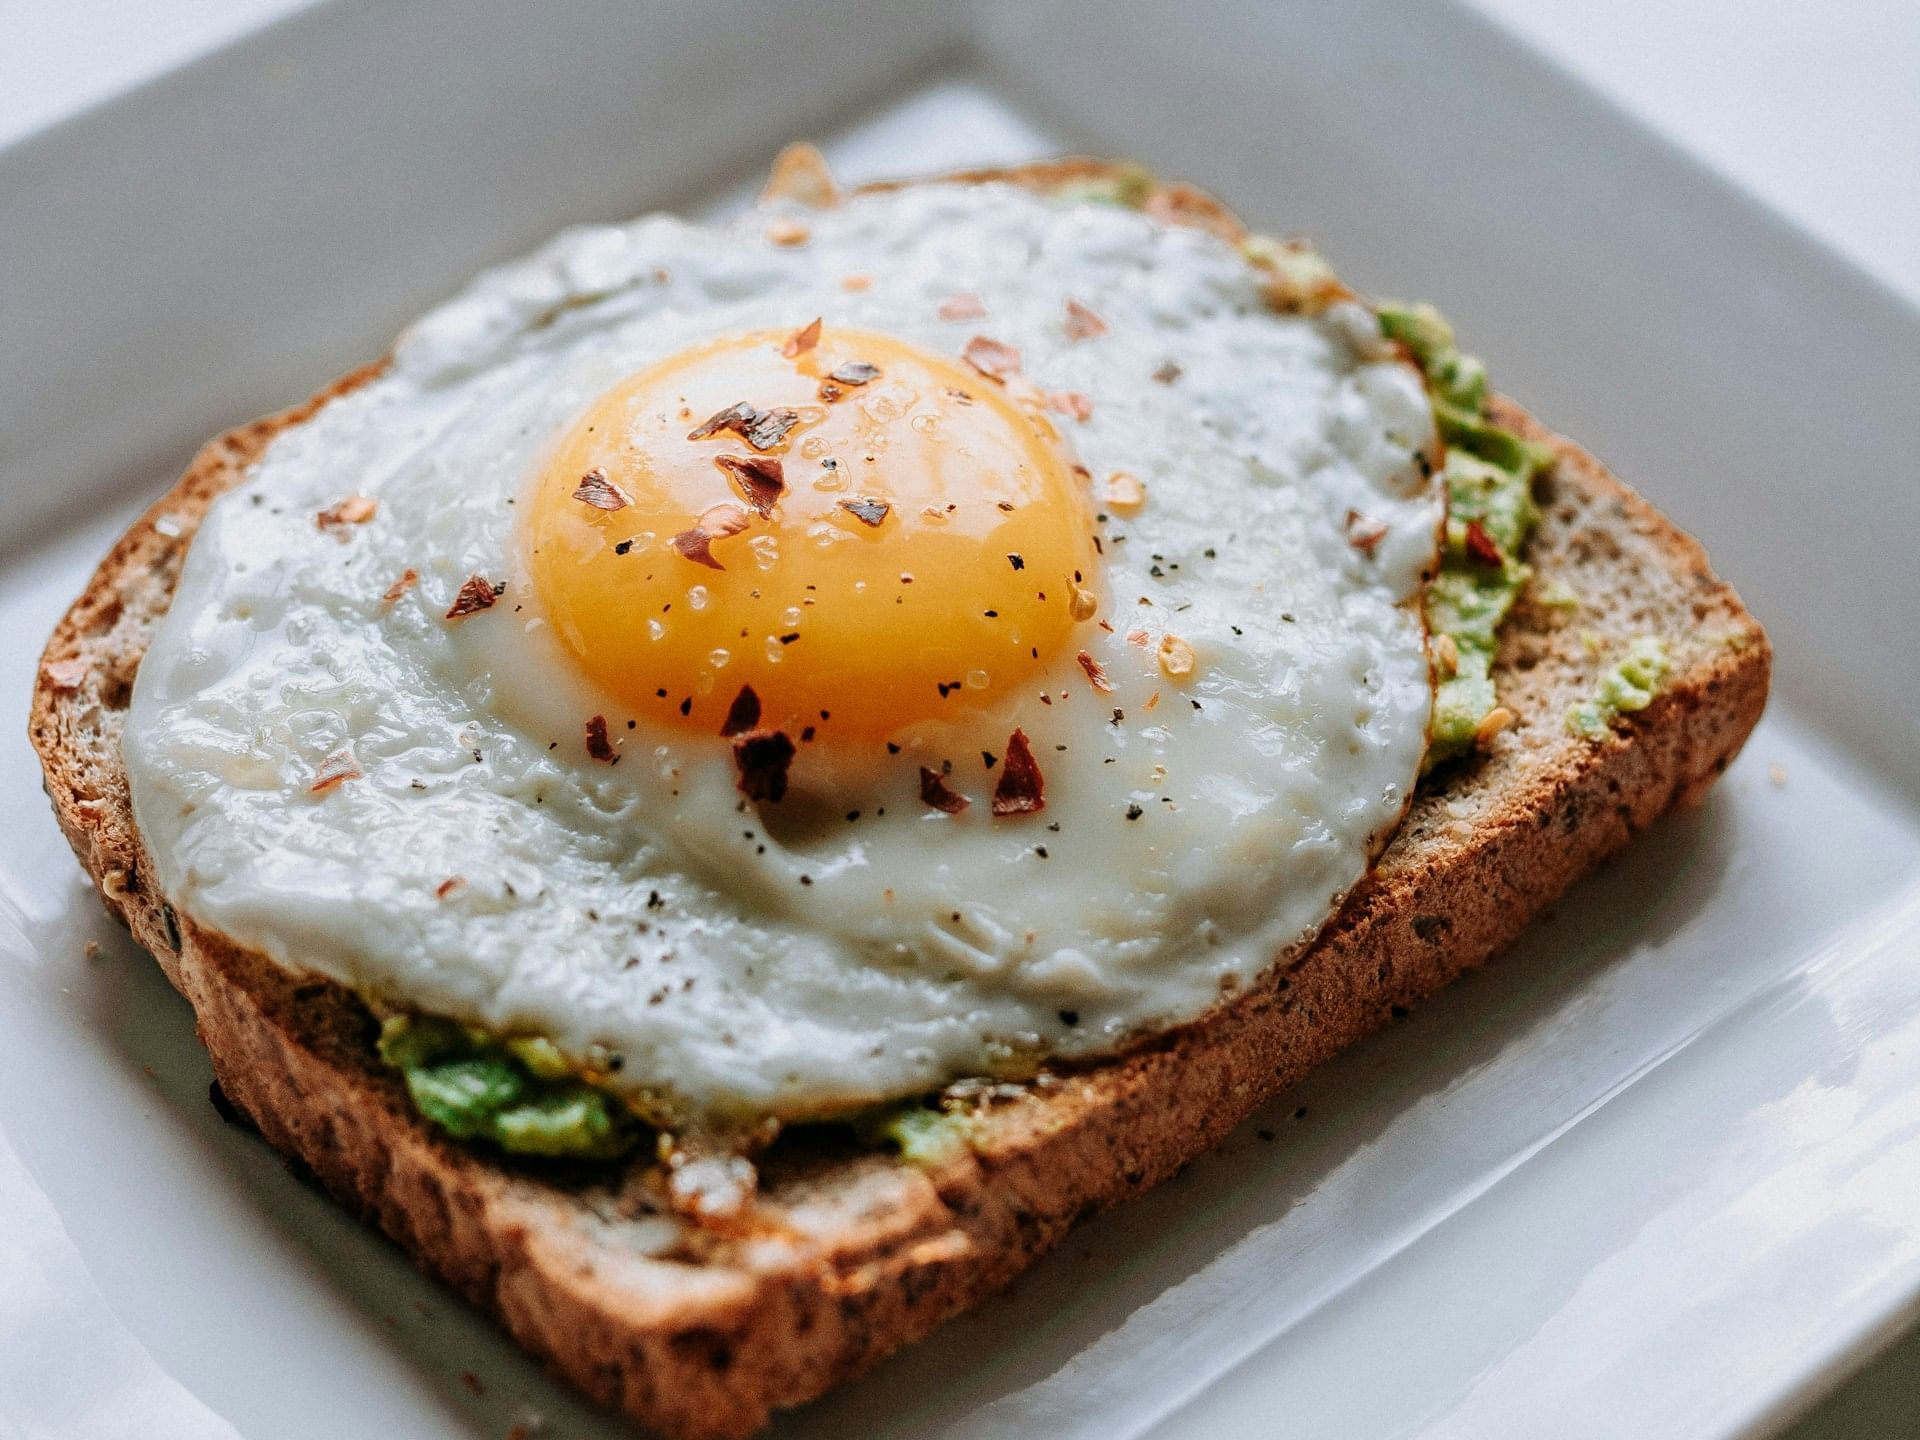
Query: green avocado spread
[
  {"x": 1630, "y": 683},
  {"x": 519, "y": 1094},
  {"x": 1490, "y": 514}
]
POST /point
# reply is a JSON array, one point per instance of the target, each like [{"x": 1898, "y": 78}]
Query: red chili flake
[
  {"x": 866, "y": 509},
  {"x": 762, "y": 758},
  {"x": 65, "y": 674},
  {"x": 854, "y": 372},
  {"x": 407, "y": 580},
  {"x": 935, "y": 793},
  {"x": 1021, "y": 791},
  {"x": 354, "y": 510},
  {"x": 601, "y": 493},
  {"x": 1071, "y": 403},
  {"x": 716, "y": 524},
  {"x": 1081, "y": 323},
  {"x": 1095, "y": 674},
  {"x": 1364, "y": 532},
  {"x": 802, "y": 340},
  {"x": 598, "y": 745},
  {"x": 761, "y": 478},
  {"x": 830, "y": 392},
  {"x": 1483, "y": 547},
  {"x": 770, "y": 428},
  {"x": 991, "y": 358},
  {"x": 335, "y": 770},
  {"x": 965, "y": 306},
  {"x": 472, "y": 1382},
  {"x": 476, "y": 595},
  {"x": 449, "y": 886},
  {"x": 743, "y": 715},
  {"x": 736, "y": 417},
  {"x": 1138, "y": 637}
]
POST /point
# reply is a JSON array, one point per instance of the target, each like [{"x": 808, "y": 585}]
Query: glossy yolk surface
[{"x": 909, "y": 537}]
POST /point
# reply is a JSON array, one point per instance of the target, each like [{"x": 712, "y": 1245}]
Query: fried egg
[{"x": 794, "y": 663}]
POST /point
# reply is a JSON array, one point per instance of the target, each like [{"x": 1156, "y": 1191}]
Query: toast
[{"x": 852, "y": 1253}]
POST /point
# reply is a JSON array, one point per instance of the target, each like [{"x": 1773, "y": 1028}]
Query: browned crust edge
[{"x": 705, "y": 1345}]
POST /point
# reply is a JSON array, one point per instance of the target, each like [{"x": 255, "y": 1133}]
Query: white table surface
[{"x": 1813, "y": 105}]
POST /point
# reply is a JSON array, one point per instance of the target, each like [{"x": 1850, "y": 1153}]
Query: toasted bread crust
[{"x": 701, "y": 1336}]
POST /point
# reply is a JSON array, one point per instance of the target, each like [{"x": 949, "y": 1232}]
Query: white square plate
[{"x": 1652, "y": 1174}]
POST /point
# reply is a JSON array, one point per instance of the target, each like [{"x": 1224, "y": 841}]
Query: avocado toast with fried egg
[{"x": 1622, "y": 681}]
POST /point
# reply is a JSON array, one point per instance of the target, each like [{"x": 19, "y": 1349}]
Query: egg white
[{"x": 796, "y": 962}]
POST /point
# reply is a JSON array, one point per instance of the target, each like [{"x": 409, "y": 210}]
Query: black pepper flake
[
  {"x": 989, "y": 758},
  {"x": 1016, "y": 561},
  {"x": 1041, "y": 851},
  {"x": 789, "y": 637},
  {"x": 743, "y": 715},
  {"x": 892, "y": 748},
  {"x": 1134, "y": 812},
  {"x": 1069, "y": 1017},
  {"x": 686, "y": 706},
  {"x": 598, "y": 745},
  {"x": 762, "y": 758},
  {"x": 622, "y": 547}
]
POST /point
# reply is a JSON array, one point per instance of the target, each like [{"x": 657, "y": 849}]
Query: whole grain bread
[{"x": 853, "y": 1253}]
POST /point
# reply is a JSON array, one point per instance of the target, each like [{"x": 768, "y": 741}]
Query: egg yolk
[{"x": 864, "y": 533}]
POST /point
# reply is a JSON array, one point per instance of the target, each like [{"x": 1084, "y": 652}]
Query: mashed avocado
[
  {"x": 1630, "y": 683},
  {"x": 922, "y": 1136},
  {"x": 1129, "y": 186},
  {"x": 520, "y": 1094},
  {"x": 1490, "y": 514}
]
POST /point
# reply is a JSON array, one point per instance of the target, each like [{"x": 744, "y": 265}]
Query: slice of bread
[{"x": 853, "y": 1253}]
